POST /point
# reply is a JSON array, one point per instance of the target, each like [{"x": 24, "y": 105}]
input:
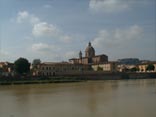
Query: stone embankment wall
[
  {"x": 141, "y": 75},
  {"x": 111, "y": 76}
]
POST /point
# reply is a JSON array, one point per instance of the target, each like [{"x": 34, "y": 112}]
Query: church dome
[{"x": 89, "y": 51}]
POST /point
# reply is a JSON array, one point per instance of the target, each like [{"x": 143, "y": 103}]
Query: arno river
[{"x": 121, "y": 98}]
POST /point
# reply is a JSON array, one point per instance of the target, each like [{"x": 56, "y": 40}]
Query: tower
[
  {"x": 80, "y": 55},
  {"x": 89, "y": 52}
]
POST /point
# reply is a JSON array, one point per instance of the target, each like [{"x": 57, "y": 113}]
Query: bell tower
[{"x": 80, "y": 55}]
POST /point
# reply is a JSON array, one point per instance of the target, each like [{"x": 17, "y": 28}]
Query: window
[
  {"x": 64, "y": 69},
  {"x": 50, "y": 73}
]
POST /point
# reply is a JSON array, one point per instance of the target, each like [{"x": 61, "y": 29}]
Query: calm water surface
[{"x": 125, "y": 98}]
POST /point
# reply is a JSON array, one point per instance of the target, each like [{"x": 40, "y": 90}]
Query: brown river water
[{"x": 116, "y": 98}]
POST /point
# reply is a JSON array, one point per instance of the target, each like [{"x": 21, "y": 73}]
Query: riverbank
[
  {"x": 39, "y": 80},
  {"x": 76, "y": 78}
]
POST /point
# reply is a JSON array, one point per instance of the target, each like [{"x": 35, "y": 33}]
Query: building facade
[
  {"x": 106, "y": 67},
  {"x": 125, "y": 67},
  {"x": 56, "y": 69},
  {"x": 6, "y": 69},
  {"x": 143, "y": 67},
  {"x": 129, "y": 61},
  {"x": 91, "y": 62},
  {"x": 90, "y": 57}
]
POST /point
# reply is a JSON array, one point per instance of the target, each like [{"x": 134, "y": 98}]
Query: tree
[
  {"x": 99, "y": 68},
  {"x": 150, "y": 67},
  {"x": 134, "y": 69},
  {"x": 36, "y": 62},
  {"x": 22, "y": 66},
  {"x": 90, "y": 68}
]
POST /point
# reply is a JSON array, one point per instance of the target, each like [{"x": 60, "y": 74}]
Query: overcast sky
[{"x": 56, "y": 30}]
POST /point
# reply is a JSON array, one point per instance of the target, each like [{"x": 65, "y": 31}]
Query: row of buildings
[
  {"x": 6, "y": 69},
  {"x": 89, "y": 63}
]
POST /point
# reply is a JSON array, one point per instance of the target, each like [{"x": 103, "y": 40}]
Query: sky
[{"x": 56, "y": 30}]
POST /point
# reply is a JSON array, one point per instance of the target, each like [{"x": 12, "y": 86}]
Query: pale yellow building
[
  {"x": 61, "y": 68},
  {"x": 106, "y": 67},
  {"x": 142, "y": 67},
  {"x": 122, "y": 67}
]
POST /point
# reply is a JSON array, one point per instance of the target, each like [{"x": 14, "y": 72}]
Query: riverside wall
[
  {"x": 91, "y": 75},
  {"x": 76, "y": 77}
]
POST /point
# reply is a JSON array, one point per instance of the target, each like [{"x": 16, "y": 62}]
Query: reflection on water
[{"x": 125, "y": 98}]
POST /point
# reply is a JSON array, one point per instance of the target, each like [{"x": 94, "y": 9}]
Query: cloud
[
  {"x": 66, "y": 38},
  {"x": 24, "y": 16},
  {"x": 118, "y": 37},
  {"x": 121, "y": 43},
  {"x": 48, "y": 52},
  {"x": 109, "y": 6},
  {"x": 47, "y": 6},
  {"x": 70, "y": 54},
  {"x": 44, "y": 29},
  {"x": 4, "y": 53},
  {"x": 42, "y": 47},
  {"x": 53, "y": 52}
]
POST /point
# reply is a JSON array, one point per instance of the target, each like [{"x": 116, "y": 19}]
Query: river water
[{"x": 120, "y": 98}]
